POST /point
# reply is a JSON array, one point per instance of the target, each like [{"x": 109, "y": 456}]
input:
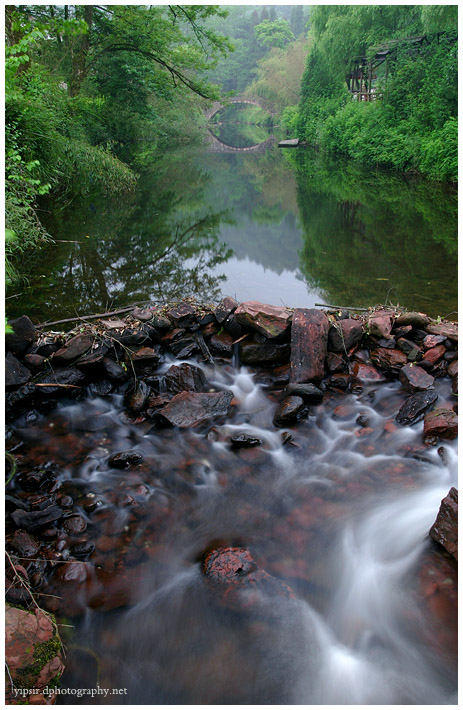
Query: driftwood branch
[
  {"x": 341, "y": 308},
  {"x": 92, "y": 317}
]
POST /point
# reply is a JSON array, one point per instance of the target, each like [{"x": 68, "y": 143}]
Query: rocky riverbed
[{"x": 130, "y": 438}]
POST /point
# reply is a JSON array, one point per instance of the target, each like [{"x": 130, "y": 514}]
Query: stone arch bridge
[{"x": 218, "y": 105}]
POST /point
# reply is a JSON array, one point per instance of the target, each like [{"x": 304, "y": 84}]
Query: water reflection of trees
[
  {"x": 161, "y": 243},
  {"x": 372, "y": 236}
]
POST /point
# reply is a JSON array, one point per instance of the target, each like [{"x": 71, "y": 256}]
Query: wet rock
[
  {"x": 402, "y": 331},
  {"x": 367, "y": 373},
  {"x": 309, "y": 341},
  {"x": 363, "y": 420},
  {"x": 73, "y": 349},
  {"x": 415, "y": 407},
  {"x": 210, "y": 329},
  {"x": 340, "y": 380},
  {"x": 184, "y": 347},
  {"x": 445, "y": 528},
  {"x": 32, "y": 480},
  {"x": 415, "y": 319},
  {"x": 72, "y": 573},
  {"x": 36, "y": 519},
  {"x": 449, "y": 330},
  {"x": 136, "y": 397},
  {"x": 380, "y": 323},
  {"x": 23, "y": 336},
  {"x": 24, "y": 544},
  {"x": 185, "y": 378},
  {"x": 101, "y": 388},
  {"x": 334, "y": 362},
  {"x": 244, "y": 441},
  {"x": 125, "y": 459},
  {"x": 415, "y": 379},
  {"x": 434, "y": 354},
  {"x": 226, "y": 306},
  {"x": 34, "y": 363},
  {"x": 70, "y": 376},
  {"x": 94, "y": 359},
  {"x": 82, "y": 549},
  {"x": 142, "y": 314},
  {"x": 309, "y": 392},
  {"x": 74, "y": 525},
  {"x": 15, "y": 373},
  {"x": 114, "y": 372},
  {"x": 450, "y": 355},
  {"x": 183, "y": 315},
  {"x": 188, "y": 409},
  {"x": 409, "y": 347},
  {"x": 344, "y": 334},
  {"x": 65, "y": 501},
  {"x": 237, "y": 582},
  {"x": 221, "y": 344},
  {"x": 145, "y": 360},
  {"x": 232, "y": 327},
  {"x": 32, "y": 651},
  {"x": 441, "y": 422},
  {"x": 389, "y": 359},
  {"x": 161, "y": 322},
  {"x": 271, "y": 321},
  {"x": 131, "y": 337},
  {"x": 254, "y": 353},
  {"x": 430, "y": 341},
  {"x": 288, "y": 410}
]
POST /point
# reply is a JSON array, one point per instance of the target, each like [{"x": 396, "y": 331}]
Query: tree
[{"x": 274, "y": 34}]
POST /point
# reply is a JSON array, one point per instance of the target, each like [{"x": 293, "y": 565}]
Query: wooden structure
[{"x": 362, "y": 77}]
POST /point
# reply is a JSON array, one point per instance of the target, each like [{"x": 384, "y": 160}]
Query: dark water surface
[{"x": 275, "y": 226}]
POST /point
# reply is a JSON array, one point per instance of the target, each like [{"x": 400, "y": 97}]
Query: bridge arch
[
  {"x": 218, "y": 146},
  {"x": 218, "y": 105}
]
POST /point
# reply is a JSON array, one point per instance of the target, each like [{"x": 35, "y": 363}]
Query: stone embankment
[{"x": 299, "y": 355}]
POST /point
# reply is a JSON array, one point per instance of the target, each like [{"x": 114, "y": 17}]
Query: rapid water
[{"x": 340, "y": 514}]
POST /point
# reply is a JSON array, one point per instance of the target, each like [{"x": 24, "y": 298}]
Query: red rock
[
  {"x": 367, "y": 372},
  {"x": 445, "y": 529},
  {"x": 185, "y": 378},
  {"x": 34, "y": 362},
  {"x": 389, "y": 358},
  {"x": 288, "y": 410},
  {"x": 344, "y": 334},
  {"x": 24, "y": 631},
  {"x": 441, "y": 422},
  {"x": 448, "y": 330},
  {"x": 415, "y": 379},
  {"x": 188, "y": 409},
  {"x": 271, "y": 321},
  {"x": 380, "y": 323},
  {"x": 430, "y": 341},
  {"x": 309, "y": 340},
  {"x": 237, "y": 582},
  {"x": 226, "y": 306},
  {"x": 74, "y": 348},
  {"x": 434, "y": 354}
]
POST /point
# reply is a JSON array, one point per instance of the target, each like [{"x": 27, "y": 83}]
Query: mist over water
[{"x": 340, "y": 518}]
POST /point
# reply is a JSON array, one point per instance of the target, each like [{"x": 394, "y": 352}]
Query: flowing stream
[{"x": 340, "y": 514}]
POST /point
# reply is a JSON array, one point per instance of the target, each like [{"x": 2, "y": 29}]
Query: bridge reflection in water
[{"x": 216, "y": 145}]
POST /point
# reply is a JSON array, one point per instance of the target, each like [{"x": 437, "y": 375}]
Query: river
[{"x": 283, "y": 227}]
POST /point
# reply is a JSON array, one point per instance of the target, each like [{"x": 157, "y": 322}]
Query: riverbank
[{"x": 90, "y": 509}]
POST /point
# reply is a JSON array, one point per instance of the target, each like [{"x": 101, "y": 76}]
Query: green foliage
[
  {"x": 274, "y": 34},
  {"x": 413, "y": 127}
]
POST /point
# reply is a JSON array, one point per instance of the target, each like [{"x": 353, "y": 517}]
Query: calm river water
[{"x": 271, "y": 225}]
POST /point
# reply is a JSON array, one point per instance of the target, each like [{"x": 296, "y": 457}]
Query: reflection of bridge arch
[
  {"x": 218, "y": 106},
  {"x": 215, "y": 145}
]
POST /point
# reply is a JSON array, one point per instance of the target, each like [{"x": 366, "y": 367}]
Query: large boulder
[
  {"x": 445, "y": 529},
  {"x": 309, "y": 342},
  {"x": 271, "y": 321},
  {"x": 185, "y": 378}
]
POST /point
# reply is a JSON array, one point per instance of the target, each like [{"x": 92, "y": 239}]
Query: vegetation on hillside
[{"x": 413, "y": 127}]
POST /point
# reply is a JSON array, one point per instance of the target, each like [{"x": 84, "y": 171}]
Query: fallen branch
[
  {"x": 55, "y": 384},
  {"x": 341, "y": 308},
  {"x": 92, "y": 317}
]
